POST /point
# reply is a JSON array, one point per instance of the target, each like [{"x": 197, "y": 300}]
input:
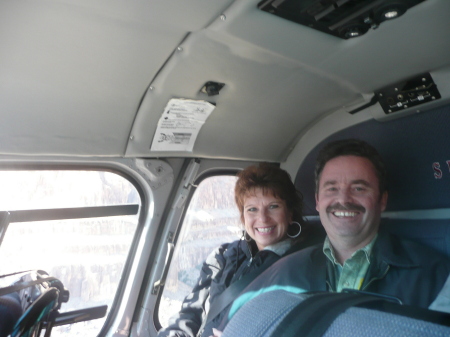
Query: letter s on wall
[{"x": 437, "y": 170}]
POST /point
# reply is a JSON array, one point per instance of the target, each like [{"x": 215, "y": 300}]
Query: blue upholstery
[
  {"x": 260, "y": 316},
  {"x": 409, "y": 160},
  {"x": 432, "y": 233},
  {"x": 355, "y": 321}
]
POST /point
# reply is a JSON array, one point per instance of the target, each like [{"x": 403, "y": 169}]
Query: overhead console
[
  {"x": 342, "y": 18},
  {"x": 412, "y": 92},
  {"x": 404, "y": 94}
]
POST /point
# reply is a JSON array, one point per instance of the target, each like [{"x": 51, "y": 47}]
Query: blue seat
[
  {"x": 263, "y": 315},
  {"x": 32, "y": 321},
  {"x": 432, "y": 233},
  {"x": 30, "y": 304}
]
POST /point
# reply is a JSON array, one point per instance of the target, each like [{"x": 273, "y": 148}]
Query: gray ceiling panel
[{"x": 75, "y": 75}]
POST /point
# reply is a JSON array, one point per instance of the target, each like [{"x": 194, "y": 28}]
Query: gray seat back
[{"x": 261, "y": 316}]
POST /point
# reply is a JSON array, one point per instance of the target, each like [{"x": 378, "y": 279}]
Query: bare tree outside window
[{"x": 211, "y": 219}]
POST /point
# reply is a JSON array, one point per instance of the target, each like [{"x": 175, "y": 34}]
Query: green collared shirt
[{"x": 350, "y": 275}]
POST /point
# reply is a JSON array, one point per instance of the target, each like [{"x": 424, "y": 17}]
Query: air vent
[{"x": 342, "y": 18}]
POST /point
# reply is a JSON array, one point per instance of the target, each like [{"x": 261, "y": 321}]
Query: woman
[{"x": 270, "y": 209}]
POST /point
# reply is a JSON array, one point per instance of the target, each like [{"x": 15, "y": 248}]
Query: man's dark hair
[{"x": 351, "y": 147}]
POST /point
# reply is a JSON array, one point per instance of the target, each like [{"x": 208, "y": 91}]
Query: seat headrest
[{"x": 416, "y": 152}]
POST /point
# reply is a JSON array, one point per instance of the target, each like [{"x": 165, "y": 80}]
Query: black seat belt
[{"x": 231, "y": 293}]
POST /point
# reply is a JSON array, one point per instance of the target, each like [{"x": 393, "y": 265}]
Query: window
[
  {"x": 211, "y": 219},
  {"x": 75, "y": 225}
]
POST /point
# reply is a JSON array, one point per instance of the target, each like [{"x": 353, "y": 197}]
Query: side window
[
  {"x": 77, "y": 226},
  {"x": 211, "y": 219}
]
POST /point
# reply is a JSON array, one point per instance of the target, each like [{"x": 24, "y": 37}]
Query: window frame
[
  {"x": 111, "y": 166},
  {"x": 176, "y": 236}
]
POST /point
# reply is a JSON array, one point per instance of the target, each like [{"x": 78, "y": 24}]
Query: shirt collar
[
  {"x": 281, "y": 247},
  {"x": 329, "y": 251}
]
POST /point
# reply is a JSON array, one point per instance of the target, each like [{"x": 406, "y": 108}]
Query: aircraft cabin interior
[{"x": 124, "y": 124}]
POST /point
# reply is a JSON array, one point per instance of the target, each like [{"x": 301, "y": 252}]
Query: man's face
[{"x": 348, "y": 200}]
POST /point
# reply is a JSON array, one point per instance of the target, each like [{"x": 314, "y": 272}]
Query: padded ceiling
[
  {"x": 410, "y": 148},
  {"x": 73, "y": 72},
  {"x": 75, "y": 75},
  {"x": 280, "y": 77},
  {"x": 258, "y": 104}
]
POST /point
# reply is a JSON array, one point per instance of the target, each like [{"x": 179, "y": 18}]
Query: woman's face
[{"x": 266, "y": 218}]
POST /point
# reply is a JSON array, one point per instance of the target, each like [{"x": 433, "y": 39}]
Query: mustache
[{"x": 347, "y": 207}]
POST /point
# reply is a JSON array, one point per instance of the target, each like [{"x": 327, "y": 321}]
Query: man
[{"x": 351, "y": 194}]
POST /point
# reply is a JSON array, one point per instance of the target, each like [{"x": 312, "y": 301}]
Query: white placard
[{"x": 180, "y": 124}]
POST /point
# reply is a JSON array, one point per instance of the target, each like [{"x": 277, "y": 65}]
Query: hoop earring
[
  {"x": 293, "y": 230},
  {"x": 247, "y": 237}
]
